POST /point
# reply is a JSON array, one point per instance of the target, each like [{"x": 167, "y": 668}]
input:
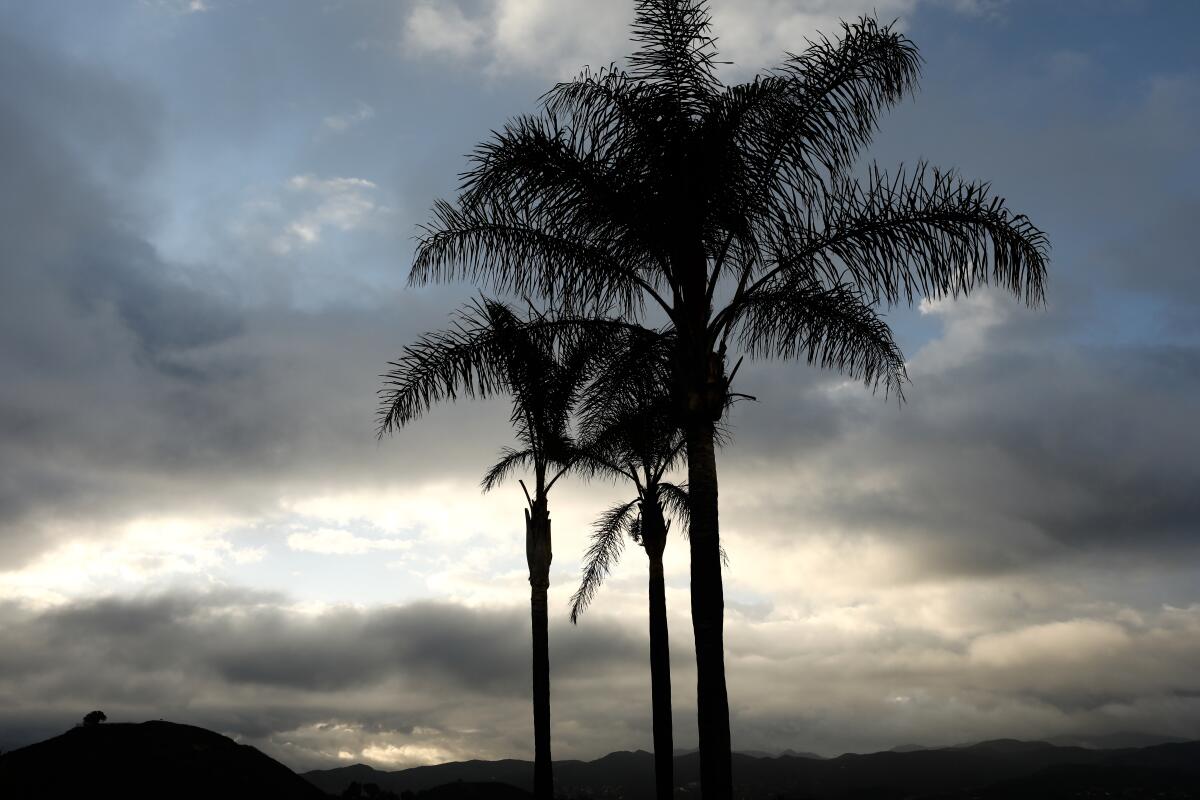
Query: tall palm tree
[
  {"x": 739, "y": 214},
  {"x": 630, "y": 432},
  {"x": 489, "y": 350}
]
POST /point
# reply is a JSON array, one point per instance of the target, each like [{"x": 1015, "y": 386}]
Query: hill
[{"x": 147, "y": 760}]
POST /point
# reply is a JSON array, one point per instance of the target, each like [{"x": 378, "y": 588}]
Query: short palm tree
[
  {"x": 738, "y": 213},
  {"x": 630, "y": 432},
  {"x": 490, "y": 350}
]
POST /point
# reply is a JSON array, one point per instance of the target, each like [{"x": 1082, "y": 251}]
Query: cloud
[
  {"x": 178, "y": 6},
  {"x": 135, "y": 554},
  {"x": 343, "y": 204},
  {"x": 331, "y": 541},
  {"x": 91, "y": 315},
  {"x": 402, "y": 685},
  {"x": 231, "y": 657},
  {"x": 339, "y": 123},
  {"x": 442, "y": 28},
  {"x": 128, "y": 372},
  {"x": 987, "y": 467},
  {"x": 933, "y": 572},
  {"x": 558, "y": 38}
]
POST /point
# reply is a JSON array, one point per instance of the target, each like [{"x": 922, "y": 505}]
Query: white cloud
[
  {"x": 345, "y": 121},
  {"x": 1055, "y": 644},
  {"x": 442, "y": 28},
  {"x": 178, "y": 6},
  {"x": 557, "y": 38},
  {"x": 554, "y": 37},
  {"x": 968, "y": 324},
  {"x": 140, "y": 553},
  {"x": 338, "y": 542},
  {"x": 405, "y": 755},
  {"x": 310, "y": 206}
]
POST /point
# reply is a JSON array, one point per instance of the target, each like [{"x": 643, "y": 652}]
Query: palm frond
[
  {"x": 489, "y": 349},
  {"x": 675, "y": 50},
  {"x": 607, "y": 100},
  {"x": 674, "y": 500},
  {"x": 608, "y": 541},
  {"x": 832, "y": 327},
  {"x": 515, "y": 252},
  {"x": 465, "y": 359},
  {"x": 637, "y": 364},
  {"x": 925, "y": 233},
  {"x": 822, "y": 105},
  {"x": 596, "y": 459},
  {"x": 628, "y": 415},
  {"x": 510, "y": 460}
]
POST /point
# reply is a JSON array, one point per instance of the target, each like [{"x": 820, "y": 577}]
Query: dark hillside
[{"x": 147, "y": 760}]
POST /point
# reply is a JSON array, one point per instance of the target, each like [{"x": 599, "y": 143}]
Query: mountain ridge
[
  {"x": 158, "y": 758},
  {"x": 1172, "y": 770}
]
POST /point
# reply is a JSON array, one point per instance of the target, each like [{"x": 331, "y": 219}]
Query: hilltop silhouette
[{"x": 147, "y": 760}]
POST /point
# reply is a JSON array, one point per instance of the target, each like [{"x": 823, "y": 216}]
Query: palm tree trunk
[
  {"x": 708, "y": 612},
  {"x": 660, "y": 683},
  {"x": 538, "y": 555}
]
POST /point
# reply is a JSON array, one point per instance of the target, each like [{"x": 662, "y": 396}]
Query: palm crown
[
  {"x": 659, "y": 185},
  {"x": 739, "y": 213}
]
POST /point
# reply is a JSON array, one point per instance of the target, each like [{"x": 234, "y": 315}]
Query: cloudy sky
[{"x": 206, "y": 220}]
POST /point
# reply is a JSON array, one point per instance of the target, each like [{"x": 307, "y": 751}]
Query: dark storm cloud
[
  {"x": 1065, "y": 432},
  {"x": 132, "y": 387},
  {"x": 90, "y": 316},
  {"x": 306, "y": 685},
  {"x": 1019, "y": 455},
  {"x": 247, "y": 638},
  {"x": 127, "y": 384},
  {"x": 136, "y": 385},
  {"x": 158, "y": 656},
  {"x": 1096, "y": 144}
]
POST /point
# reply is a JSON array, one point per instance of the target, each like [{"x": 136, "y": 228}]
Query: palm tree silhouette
[
  {"x": 489, "y": 350},
  {"x": 735, "y": 212},
  {"x": 630, "y": 431}
]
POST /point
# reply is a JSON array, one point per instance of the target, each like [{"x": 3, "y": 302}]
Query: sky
[{"x": 207, "y": 217}]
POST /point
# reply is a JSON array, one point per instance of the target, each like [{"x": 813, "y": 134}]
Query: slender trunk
[
  {"x": 538, "y": 555},
  {"x": 655, "y": 536},
  {"x": 708, "y": 610},
  {"x": 702, "y": 386}
]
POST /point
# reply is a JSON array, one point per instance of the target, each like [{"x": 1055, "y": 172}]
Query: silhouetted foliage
[
  {"x": 94, "y": 718},
  {"x": 489, "y": 350},
  {"x": 631, "y": 432},
  {"x": 737, "y": 212},
  {"x": 371, "y": 791}
]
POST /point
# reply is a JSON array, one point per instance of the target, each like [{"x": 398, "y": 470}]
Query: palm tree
[
  {"x": 738, "y": 214},
  {"x": 630, "y": 432},
  {"x": 489, "y": 350}
]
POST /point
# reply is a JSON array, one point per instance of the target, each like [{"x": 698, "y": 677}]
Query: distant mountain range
[
  {"x": 1108, "y": 741},
  {"x": 1004, "y": 768},
  {"x": 164, "y": 759},
  {"x": 683, "y": 751}
]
